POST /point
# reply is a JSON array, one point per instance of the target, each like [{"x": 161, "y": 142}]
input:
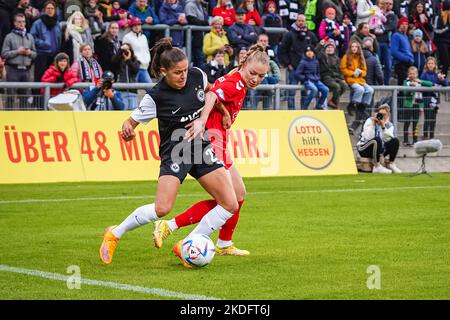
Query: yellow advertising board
[{"x": 86, "y": 146}]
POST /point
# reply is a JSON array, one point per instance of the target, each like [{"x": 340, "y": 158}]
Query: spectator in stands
[
  {"x": 108, "y": 46},
  {"x": 362, "y": 32},
  {"x": 252, "y": 16},
  {"x": 442, "y": 36},
  {"x": 6, "y": 7},
  {"x": 384, "y": 39},
  {"x": 142, "y": 10},
  {"x": 353, "y": 67},
  {"x": 374, "y": 74},
  {"x": 413, "y": 103},
  {"x": 19, "y": 51},
  {"x": 105, "y": 7},
  {"x": 431, "y": 99},
  {"x": 31, "y": 13},
  {"x": 102, "y": 97},
  {"x": 125, "y": 16},
  {"x": 419, "y": 19},
  {"x": 329, "y": 27},
  {"x": 419, "y": 49},
  {"x": 241, "y": 34},
  {"x": 59, "y": 72},
  {"x": 172, "y": 13},
  {"x": 377, "y": 138},
  {"x": 291, "y": 51},
  {"x": 94, "y": 16},
  {"x": 347, "y": 30},
  {"x": 196, "y": 15},
  {"x": 77, "y": 33},
  {"x": 273, "y": 20},
  {"x": 364, "y": 10},
  {"x": 217, "y": 39},
  {"x": 138, "y": 41},
  {"x": 330, "y": 72},
  {"x": 308, "y": 73},
  {"x": 239, "y": 56},
  {"x": 225, "y": 10},
  {"x": 272, "y": 77},
  {"x": 2, "y": 69},
  {"x": 216, "y": 68},
  {"x": 47, "y": 36},
  {"x": 401, "y": 51},
  {"x": 87, "y": 68},
  {"x": 128, "y": 67},
  {"x": 323, "y": 5}
]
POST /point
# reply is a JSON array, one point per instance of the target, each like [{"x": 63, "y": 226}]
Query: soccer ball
[{"x": 198, "y": 250}]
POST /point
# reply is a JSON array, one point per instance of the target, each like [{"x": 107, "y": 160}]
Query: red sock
[
  {"x": 195, "y": 213},
  {"x": 227, "y": 230}
]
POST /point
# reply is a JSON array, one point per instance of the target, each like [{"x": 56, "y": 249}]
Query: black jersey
[{"x": 173, "y": 108}]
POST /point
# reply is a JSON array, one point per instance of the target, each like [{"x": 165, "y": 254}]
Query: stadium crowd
[{"x": 331, "y": 46}]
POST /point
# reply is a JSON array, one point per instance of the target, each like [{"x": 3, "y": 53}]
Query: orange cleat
[
  {"x": 108, "y": 246},
  {"x": 177, "y": 251}
]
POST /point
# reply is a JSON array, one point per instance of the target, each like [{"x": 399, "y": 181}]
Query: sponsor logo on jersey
[
  {"x": 175, "y": 111},
  {"x": 221, "y": 94},
  {"x": 201, "y": 95},
  {"x": 239, "y": 85},
  {"x": 192, "y": 116},
  {"x": 175, "y": 167}
]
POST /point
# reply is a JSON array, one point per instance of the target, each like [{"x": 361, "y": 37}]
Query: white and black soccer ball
[{"x": 198, "y": 250}]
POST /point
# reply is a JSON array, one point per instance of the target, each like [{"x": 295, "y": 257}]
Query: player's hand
[
  {"x": 194, "y": 128},
  {"x": 226, "y": 120},
  {"x": 127, "y": 133}
]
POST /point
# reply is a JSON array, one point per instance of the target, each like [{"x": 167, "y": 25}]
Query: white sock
[
  {"x": 139, "y": 217},
  {"x": 172, "y": 225},
  {"x": 223, "y": 243},
  {"x": 212, "y": 221}
]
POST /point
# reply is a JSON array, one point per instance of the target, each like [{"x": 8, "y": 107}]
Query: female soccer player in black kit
[{"x": 176, "y": 100}]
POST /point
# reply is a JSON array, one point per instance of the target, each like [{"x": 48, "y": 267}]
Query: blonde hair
[
  {"x": 435, "y": 64},
  {"x": 70, "y": 23},
  {"x": 255, "y": 53},
  {"x": 217, "y": 19}
]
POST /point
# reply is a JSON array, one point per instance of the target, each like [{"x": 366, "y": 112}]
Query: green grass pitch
[{"x": 310, "y": 238}]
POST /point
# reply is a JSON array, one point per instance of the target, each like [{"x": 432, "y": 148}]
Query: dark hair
[
  {"x": 46, "y": 3},
  {"x": 218, "y": 51},
  {"x": 361, "y": 25},
  {"x": 20, "y": 15},
  {"x": 165, "y": 56}
]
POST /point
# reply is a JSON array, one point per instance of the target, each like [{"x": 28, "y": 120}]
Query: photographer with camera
[
  {"x": 377, "y": 138},
  {"x": 128, "y": 67},
  {"x": 103, "y": 97}
]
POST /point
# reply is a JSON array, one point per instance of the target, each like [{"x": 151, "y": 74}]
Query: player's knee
[
  {"x": 231, "y": 206},
  {"x": 240, "y": 194},
  {"x": 162, "y": 209}
]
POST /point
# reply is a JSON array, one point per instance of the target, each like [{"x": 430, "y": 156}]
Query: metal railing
[{"x": 188, "y": 32}]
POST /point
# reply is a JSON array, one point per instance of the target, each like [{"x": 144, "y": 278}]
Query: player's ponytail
[
  {"x": 255, "y": 53},
  {"x": 165, "y": 56}
]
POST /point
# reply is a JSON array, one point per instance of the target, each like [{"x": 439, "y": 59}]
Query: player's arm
[
  {"x": 143, "y": 114},
  {"x": 226, "y": 118},
  {"x": 128, "y": 127},
  {"x": 197, "y": 127}
]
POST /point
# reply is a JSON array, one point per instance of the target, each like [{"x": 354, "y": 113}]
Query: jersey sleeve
[
  {"x": 146, "y": 110},
  {"x": 225, "y": 90}
]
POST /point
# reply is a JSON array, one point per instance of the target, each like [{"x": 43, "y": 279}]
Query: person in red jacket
[
  {"x": 59, "y": 72},
  {"x": 225, "y": 9},
  {"x": 252, "y": 16}
]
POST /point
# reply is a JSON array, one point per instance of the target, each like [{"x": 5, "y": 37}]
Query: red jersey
[{"x": 230, "y": 91}]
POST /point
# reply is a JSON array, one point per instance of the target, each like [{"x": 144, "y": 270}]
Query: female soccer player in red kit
[{"x": 222, "y": 105}]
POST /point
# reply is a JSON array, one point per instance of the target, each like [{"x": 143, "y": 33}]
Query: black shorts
[{"x": 196, "y": 169}]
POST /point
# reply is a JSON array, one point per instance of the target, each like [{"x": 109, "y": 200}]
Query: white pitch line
[
  {"x": 249, "y": 193},
  {"x": 114, "y": 285}
]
